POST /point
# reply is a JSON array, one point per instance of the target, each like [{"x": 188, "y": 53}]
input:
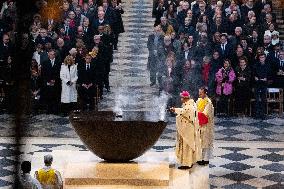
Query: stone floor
[{"x": 248, "y": 153}]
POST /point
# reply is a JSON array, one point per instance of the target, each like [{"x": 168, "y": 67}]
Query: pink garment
[{"x": 228, "y": 84}]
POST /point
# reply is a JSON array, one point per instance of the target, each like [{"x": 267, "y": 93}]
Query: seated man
[
  {"x": 188, "y": 147},
  {"x": 48, "y": 177},
  {"x": 26, "y": 180}
]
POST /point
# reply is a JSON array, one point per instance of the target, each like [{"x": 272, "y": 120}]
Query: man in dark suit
[
  {"x": 87, "y": 83},
  {"x": 225, "y": 49},
  {"x": 155, "y": 40},
  {"x": 117, "y": 27},
  {"x": 185, "y": 54},
  {"x": 254, "y": 40},
  {"x": 199, "y": 8},
  {"x": 6, "y": 49},
  {"x": 107, "y": 41},
  {"x": 69, "y": 31},
  {"x": 89, "y": 12},
  {"x": 218, "y": 25},
  {"x": 262, "y": 74},
  {"x": 88, "y": 33},
  {"x": 61, "y": 49},
  {"x": 6, "y": 56},
  {"x": 101, "y": 21},
  {"x": 273, "y": 55},
  {"x": 278, "y": 71},
  {"x": 51, "y": 82}
]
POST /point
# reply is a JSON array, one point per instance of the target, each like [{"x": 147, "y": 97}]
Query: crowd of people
[
  {"x": 232, "y": 47},
  {"x": 72, "y": 53}
]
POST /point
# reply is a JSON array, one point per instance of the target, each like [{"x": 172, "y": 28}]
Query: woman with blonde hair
[{"x": 68, "y": 76}]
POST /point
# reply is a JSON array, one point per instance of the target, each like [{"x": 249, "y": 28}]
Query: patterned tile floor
[{"x": 248, "y": 153}]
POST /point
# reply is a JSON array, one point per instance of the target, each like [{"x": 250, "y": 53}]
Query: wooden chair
[
  {"x": 275, "y": 96},
  {"x": 252, "y": 100},
  {"x": 216, "y": 100}
]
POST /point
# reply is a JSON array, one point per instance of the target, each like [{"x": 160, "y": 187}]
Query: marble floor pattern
[{"x": 248, "y": 153}]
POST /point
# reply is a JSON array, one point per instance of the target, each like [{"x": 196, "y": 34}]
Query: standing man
[
  {"x": 279, "y": 71},
  {"x": 154, "y": 42},
  {"x": 225, "y": 48},
  {"x": 50, "y": 70},
  {"x": 262, "y": 74},
  {"x": 188, "y": 147},
  {"x": 87, "y": 82},
  {"x": 48, "y": 176},
  {"x": 205, "y": 113}
]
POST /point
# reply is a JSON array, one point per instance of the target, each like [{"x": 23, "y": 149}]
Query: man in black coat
[
  {"x": 273, "y": 55},
  {"x": 107, "y": 41},
  {"x": 61, "y": 49},
  {"x": 89, "y": 12},
  {"x": 50, "y": 71},
  {"x": 158, "y": 10},
  {"x": 101, "y": 63},
  {"x": 218, "y": 25},
  {"x": 262, "y": 74},
  {"x": 278, "y": 71},
  {"x": 70, "y": 32},
  {"x": 117, "y": 27},
  {"x": 238, "y": 53},
  {"x": 109, "y": 13},
  {"x": 42, "y": 38},
  {"x": 6, "y": 49},
  {"x": 6, "y": 55},
  {"x": 87, "y": 83},
  {"x": 199, "y": 8},
  {"x": 88, "y": 33},
  {"x": 254, "y": 40}
]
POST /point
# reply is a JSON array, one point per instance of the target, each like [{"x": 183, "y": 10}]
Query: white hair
[
  {"x": 239, "y": 28},
  {"x": 48, "y": 159}
]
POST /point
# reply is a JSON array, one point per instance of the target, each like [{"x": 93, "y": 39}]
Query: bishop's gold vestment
[{"x": 188, "y": 144}]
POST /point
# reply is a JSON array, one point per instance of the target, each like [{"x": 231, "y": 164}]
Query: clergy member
[
  {"x": 188, "y": 146},
  {"x": 206, "y": 123},
  {"x": 48, "y": 177}
]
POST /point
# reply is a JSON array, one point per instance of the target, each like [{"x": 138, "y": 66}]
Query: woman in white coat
[{"x": 68, "y": 76}]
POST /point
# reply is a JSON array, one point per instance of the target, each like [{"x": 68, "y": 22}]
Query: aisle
[{"x": 129, "y": 77}]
